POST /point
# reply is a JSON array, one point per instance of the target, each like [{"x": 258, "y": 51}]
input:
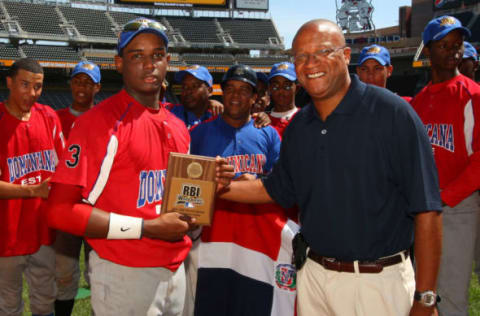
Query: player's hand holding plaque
[{"x": 190, "y": 187}]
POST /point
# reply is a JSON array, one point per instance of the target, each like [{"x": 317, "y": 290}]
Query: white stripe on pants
[
  {"x": 39, "y": 270},
  {"x": 325, "y": 292},
  {"x": 121, "y": 290}
]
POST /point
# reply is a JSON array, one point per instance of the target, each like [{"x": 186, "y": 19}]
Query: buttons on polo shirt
[{"x": 324, "y": 131}]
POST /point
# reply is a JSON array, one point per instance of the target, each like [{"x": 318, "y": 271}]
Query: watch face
[{"x": 429, "y": 299}]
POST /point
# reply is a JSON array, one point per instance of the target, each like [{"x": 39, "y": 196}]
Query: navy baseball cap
[
  {"x": 439, "y": 27},
  {"x": 199, "y": 72},
  {"x": 241, "y": 73},
  {"x": 140, "y": 25},
  {"x": 377, "y": 52},
  {"x": 261, "y": 76},
  {"x": 470, "y": 51},
  {"x": 88, "y": 68},
  {"x": 284, "y": 69}
]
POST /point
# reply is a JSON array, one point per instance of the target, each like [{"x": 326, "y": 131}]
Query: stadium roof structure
[{"x": 59, "y": 34}]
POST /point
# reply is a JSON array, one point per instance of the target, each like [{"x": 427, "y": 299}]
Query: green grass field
[{"x": 82, "y": 306}]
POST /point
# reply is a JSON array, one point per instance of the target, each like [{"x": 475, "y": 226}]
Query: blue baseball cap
[
  {"x": 377, "y": 52},
  {"x": 284, "y": 69},
  {"x": 137, "y": 26},
  {"x": 439, "y": 27},
  {"x": 470, "y": 51},
  {"x": 261, "y": 76},
  {"x": 88, "y": 68},
  {"x": 199, "y": 72}
]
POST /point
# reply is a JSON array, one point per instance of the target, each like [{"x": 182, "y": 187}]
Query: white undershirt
[{"x": 285, "y": 115}]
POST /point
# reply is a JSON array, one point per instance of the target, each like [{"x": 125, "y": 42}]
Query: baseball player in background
[
  {"x": 468, "y": 67},
  {"x": 109, "y": 185},
  {"x": 195, "y": 104},
  {"x": 282, "y": 85},
  {"x": 30, "y": 139},
  {"x": 374, "y": 66},
  {"x": 263, "y": 98},
  {"x": 469, "y": 64},
  {"x": 84, "y": 84},
  {"x": 239, "y": 232},
  {"x": 448, "y": 106}
]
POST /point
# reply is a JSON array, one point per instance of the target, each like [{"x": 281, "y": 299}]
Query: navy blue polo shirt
[{"x": 359, "y": 177}]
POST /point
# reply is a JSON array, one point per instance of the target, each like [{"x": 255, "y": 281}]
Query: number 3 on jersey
[{"x": 75, "y": 156}]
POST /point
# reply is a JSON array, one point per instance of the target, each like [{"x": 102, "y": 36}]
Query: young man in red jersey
[
  {"x": 374, "y": 66},
  {"x": 282, "y": 86},
  {"x": 448, "y": 108},
  {"x": 85, "y": 84},
  {"x": 31, "y": 140},
  {"x": 109, "y": 185}
]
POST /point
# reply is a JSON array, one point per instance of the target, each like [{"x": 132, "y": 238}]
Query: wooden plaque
[{"x": 190, "y": 187}]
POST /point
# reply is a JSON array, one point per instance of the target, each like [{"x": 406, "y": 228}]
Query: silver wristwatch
[{"x": 427, "y": 298}]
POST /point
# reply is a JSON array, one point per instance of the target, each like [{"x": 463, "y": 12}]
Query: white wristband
[{"x": 124, "y": 227}]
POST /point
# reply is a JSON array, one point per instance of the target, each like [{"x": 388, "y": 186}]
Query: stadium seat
[{"x": 33, "y": 17}]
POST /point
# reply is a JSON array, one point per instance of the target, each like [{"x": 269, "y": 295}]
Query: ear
[
  {"x": 119, "y": 64},
  {"x": 426, "y": 51},
  {"x": 253, "y": 99},
  {"x": 9, "y": 82},
  {"x": 347, "y": 52},
  {"x": 168, "y": 58},
  {"x": 389, "y": 70},
  {"x": 210, "y": 90},
  {"x": 97, "y": 88}
]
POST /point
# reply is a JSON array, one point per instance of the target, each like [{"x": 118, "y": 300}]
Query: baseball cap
[
  {"x": 241, "y": 73},
  {"x": 470, "y": 51},
  {"x": 261, "y": 76},
  {"x": 284, "y": 69},
  {"x": 377, "y": 52},
  {"x": 137, "y": 26},
  {"x": 199, "y": 72},
  {"x": 88, "y": 68},
  {"x": 439, "y": 27}
]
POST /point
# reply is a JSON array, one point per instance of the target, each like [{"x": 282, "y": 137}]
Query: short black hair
[{"x": 27, "y": 64}]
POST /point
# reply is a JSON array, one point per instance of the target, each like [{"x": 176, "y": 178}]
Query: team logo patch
[
  {"x": 447, "y": 20},
  {"x": 283, "y": 67},
  {"x": 239, "y": 72},
  {"x": 194, "y": 170},
  {"x": 88, "y": 66},
  {"x": 143, "y": 22},
  {"x": 286, "y": 277},
  {"x": 190, "y": 196},
  {"x": 373, "y": 50}
]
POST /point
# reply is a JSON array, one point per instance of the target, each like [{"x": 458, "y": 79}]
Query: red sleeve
[
  {"x": 465, "y": 184},
  {"x": 65, "y": 210},
  {"x": 58, "y": 137},
  {"x": 468, "y": 180}
]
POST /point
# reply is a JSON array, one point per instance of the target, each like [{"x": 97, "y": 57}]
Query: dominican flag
[{"x": 245, "y": 262}]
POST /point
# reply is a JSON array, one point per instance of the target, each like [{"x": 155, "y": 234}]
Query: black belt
[{"x": 363, "y": 266}]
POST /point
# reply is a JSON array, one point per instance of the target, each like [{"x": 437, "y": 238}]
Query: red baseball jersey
[
  {"x": 280, "y": 123},
  {"x": 66, "y": 118},
  {"x": 28, "y": 156},
  {"x": 118, "y": 153},
  {"x": 451, "y": 114}
]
